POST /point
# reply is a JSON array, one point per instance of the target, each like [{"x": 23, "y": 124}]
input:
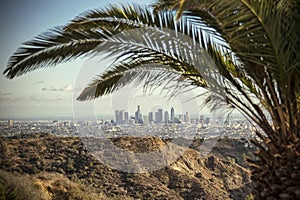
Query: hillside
[{"x": 62, "y": 168}]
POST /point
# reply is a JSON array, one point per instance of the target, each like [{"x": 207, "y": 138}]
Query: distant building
[
  {"x": 159, "y": 116},
  {"x": 150, "y": 116},
  {"x": 187, "y": 117},
  {"x": 146, "y": 120},
  {"x": 201, "y": 119},
  {"x": 10, "y": 122},
  {"x": 117, "y": 117},
  {"x": 166, "y": 117},
  {"x": 121, "y": 117},
  {"x": 131, "y": 121},
  {"x": 207, "y": 120},
  {"x": 138, "y": 116},
  {"x": 126, "y": 118},
  {"x": 172, "y": 115},
  {"x": 180, "y": 118}
]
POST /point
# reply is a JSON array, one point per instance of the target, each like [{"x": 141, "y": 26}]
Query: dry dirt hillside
[{"x": 45, "y": 166}]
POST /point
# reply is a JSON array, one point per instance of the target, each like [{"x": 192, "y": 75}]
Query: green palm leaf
[
  {"x": 67, "y": 43},
  {"x": 255, "y": 32},
  {"x": 51, "y": 48}
]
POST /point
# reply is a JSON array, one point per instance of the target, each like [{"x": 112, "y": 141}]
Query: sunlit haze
[{"x": 45, "y": 93}]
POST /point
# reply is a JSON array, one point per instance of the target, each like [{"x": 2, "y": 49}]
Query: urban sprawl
[{"x": 159, "y": 123}]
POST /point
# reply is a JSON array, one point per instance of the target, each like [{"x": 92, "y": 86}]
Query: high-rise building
[
  {"x": 150, "y": 116},
  {"x": 122, "y": 116},
  {"x": 156, "y": 117},
  {"x": 138, "y": 116},
  {"x": 187, "y": 117},
  {"x": 126, "y": 118},
  {"x": 117, "y": 117},
  {"x": 159, "y": 116},
  {"x": 180, "y": 117},
  {"x": 172, "y": 115},
  {"x": 166, "y": 117}
]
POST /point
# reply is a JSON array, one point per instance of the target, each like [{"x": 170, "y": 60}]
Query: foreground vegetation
[{"x": 45, "y": 166}]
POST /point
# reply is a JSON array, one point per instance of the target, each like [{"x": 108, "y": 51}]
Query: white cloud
[
  {"x": 6, "y": 94},
  {"x": 67, "y": 88},
  {"x": 45, "y": 99}
]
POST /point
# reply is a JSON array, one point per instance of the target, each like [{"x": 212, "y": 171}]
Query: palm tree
[{"x": 254, "y": 45}]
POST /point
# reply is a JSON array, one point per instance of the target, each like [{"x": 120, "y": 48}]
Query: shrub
[{"x": 17, "y": 187}]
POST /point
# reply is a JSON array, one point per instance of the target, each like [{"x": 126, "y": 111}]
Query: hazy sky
[{"x": 46, "y": 92}]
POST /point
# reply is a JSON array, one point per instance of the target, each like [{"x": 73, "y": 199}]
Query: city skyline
[{"x": 159, "y": 116}]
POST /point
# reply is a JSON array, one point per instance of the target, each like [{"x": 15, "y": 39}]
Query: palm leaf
[
  {"x": 118, "y": 78},
  {"x": 256, "y": 32},
  {"x": 51, "y": 48},
  {"x": 263, "y": 37},
  {"x": 78, "y": 38}
]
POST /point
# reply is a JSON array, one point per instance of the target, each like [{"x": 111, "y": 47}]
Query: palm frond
[
  {"x": 79, "y": 37},
  {"x": 51, "y": 48},
  {"x": 151, "y": 78},
  {"x": 140, "y": 48},
  {"x": 258, "y": 32},
  {"x": 263, "y": 36}
]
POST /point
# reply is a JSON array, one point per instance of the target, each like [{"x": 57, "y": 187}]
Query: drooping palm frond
[
  {"x": 258, "y": 32},
  {"x": 51, "y": 48},
  {"x": 79, "y": 38},
  {"x": 133, "y": 15},
  {"x": 117, "y": 78},
  {"x": 263, "y": 36},
  {"x": 104, "y": 27},
  {"x": 140, "y": 48}
]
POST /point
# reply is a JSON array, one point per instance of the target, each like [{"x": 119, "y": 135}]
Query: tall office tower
[
  {"x": 122, "y": 116},
  {"x": 138, "y": 116},
  {"x": 150, "y": 116},
  {"x": 160, "y": 115},
  {"x": 166, "y": 117},
  {"x": 187, "y": 116},
  {"x": 126, "y": 120},
  {"x": 172, "y": 115},
  {"x": 117, "y": 117},
  {"x": 156, "y": 117}
]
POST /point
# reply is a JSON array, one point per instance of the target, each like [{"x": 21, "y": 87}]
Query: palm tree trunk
[{"x": 276, "y": 172}]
